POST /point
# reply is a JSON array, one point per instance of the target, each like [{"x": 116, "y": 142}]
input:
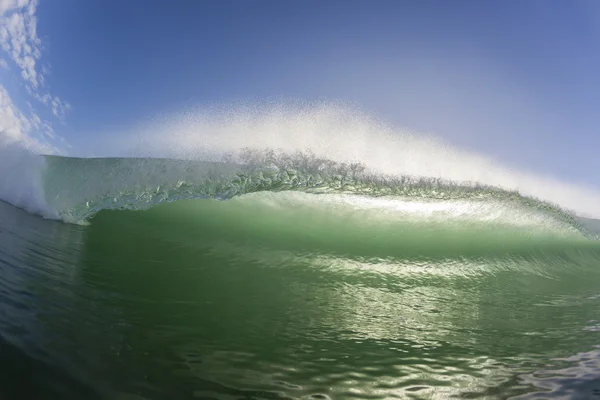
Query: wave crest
[{"x": 77, "y": 189}]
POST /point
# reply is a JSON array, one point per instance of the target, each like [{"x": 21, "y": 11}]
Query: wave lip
[{"x": 77, "y": 189}]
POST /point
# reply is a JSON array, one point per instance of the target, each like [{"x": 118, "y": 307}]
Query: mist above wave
[
  {"x": 231, "y": 151},
  {"x": 344, "y": 135}
]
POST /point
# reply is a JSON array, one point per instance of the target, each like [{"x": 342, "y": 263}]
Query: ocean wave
[
  {"x": 76, "y": 189},
  {"x": 320, "y": 150}
]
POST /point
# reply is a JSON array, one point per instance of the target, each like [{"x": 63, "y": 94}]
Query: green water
[{"x": 296, "y": 296}]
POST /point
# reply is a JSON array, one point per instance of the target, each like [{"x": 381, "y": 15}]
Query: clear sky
[{"x": 515, "y": 80}]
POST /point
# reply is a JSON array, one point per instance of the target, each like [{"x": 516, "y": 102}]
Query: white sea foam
[{"x": 21, "y": 178}]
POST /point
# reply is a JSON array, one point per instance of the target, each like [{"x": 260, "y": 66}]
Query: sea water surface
[{"x": 289, "y": 278}]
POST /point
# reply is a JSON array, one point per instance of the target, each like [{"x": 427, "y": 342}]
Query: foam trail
[
  {"x": 341, "y": 134},
  {"x": 21, "y": 179}
]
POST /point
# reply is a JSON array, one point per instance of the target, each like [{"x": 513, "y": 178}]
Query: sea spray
[
  {"x": 22, "y": 178},
  {"x": 341, "y": 134}
]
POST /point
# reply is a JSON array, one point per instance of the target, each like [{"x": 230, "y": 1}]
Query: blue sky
[{"x": 515, "y": 80}]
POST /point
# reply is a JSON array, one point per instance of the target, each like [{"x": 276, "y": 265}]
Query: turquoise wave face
[
  {"x": 273, "y": 295},
  {"x": 291, "y": 277},
  {"x": 357, "y": 226},
  {"x": 362, "y": 234}
]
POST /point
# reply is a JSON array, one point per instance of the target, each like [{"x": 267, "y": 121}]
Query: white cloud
[
  {"x": 9, "y": 5},
  {"x": 17, "y": 127},
  {"x": 20, "y": 42},
  {"x": 58, "y": 107},
  {"x": 18, "y": 36}
]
